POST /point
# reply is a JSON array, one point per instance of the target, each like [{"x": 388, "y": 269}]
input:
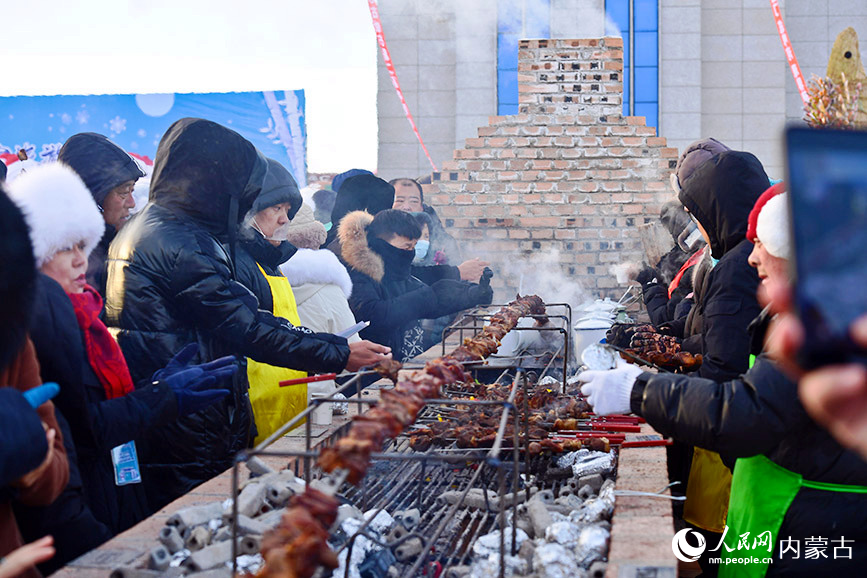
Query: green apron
[{"x": 762, "y": 492}]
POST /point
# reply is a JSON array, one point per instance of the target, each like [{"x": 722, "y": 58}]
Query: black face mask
[{"x": 398, "y": 262}]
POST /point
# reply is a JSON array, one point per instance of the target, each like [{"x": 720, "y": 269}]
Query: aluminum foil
[
  {"x": 490, "y": 543},
  {"x": 549, "y": 381},
  {"x": 553, "y": 561},
  {"x": 566, "y": 460},
  {"x": 592, "y": 545},
  {"x": 339, "y": 407},
  {"x": 595, "y": 463}
]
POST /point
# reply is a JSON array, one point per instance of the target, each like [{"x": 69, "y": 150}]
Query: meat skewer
[{"x": 296, "y": 548}]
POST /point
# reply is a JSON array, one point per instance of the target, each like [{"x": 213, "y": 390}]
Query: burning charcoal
[
  {"x": 407, "y": 550},
  {"x": 198, "y": 538},
  {"x": 586, "y": 492},
  {"x": 540, "y": 518},
  {"x": 594, "y": 463},
  {"x": 545, "y": 496},
  {"x": 195, "y": 516},
  {"x": 159, "y": 559},
  {"x": 593, "y": 480},
  {"x": 171, "y": 539},
  {"x": 246, "y": 525},
  {"x": 554, "y": 561},
  {"x": 213, "y": 556},
  {"x": 397, "y": 533},
  {"x": 408, "y": 518},
  {"x": 258, "y": 467},
  {"x": 564, "y": 533},
  {"x": 381, "y": 523},
  {"x": 598, "y": 569},
  {"x": 592, "y": 545},
  {"x": 278, "y": 494},
  {"x": 250, "y": 544},
  {"x": 251, "y": 499},
  {"x": 490, "y": 543}
]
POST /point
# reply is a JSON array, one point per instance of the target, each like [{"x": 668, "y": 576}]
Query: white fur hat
[{"x": 58, "y": 208}]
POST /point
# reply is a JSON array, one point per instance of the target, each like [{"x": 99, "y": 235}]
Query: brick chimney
[{"x": 568, "y": 173}]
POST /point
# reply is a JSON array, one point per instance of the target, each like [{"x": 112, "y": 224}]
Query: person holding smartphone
[{"x": 791, "y": 478}]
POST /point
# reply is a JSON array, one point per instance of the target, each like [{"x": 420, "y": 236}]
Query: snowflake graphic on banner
[
  {"x": 117, "y": 125},
  {"x": 50, "y": 151},
  {"x": 82, "y": 116},
  {"x": 65, "y": 118},
  {"x": 270, "y": 131}
]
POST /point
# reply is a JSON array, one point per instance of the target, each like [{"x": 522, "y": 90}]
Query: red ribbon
[
  {"x": 389, "y": 65},
  {"x": 790, "y": 52}
]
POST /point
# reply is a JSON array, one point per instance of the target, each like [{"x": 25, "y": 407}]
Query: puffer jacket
[
  {"x": 171, "y": 282},
  {"x": 720, "y": 194},
  {"x": 760, "y": 413},
  {"x": 322, "y": 287}
]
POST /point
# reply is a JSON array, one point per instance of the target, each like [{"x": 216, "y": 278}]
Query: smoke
[{"x": 544, "y": 274}]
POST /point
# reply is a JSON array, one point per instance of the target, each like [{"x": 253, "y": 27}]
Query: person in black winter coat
[
  {"x": 110, "y": 174},
  {"x": 756, "y": 414},
  {"x": 359, "y": 192},
  {"x": 171, "y": 282},
  {"x": 378, "y": 252}
]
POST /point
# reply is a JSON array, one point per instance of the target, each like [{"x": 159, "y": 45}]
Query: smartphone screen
[{"x": 827, "y": 173}]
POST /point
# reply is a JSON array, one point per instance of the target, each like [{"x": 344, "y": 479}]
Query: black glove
[
  {"x": 482, "y": 294},
  {"x": 193, "y": 384},
  {"x": 647, "y": 276}
]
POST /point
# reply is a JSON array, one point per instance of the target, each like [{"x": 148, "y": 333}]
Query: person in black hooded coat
[
  {"x": 109, "y": 173},
  {"x": 359, "y": 192},
  {"x": 171, "y": 282}
]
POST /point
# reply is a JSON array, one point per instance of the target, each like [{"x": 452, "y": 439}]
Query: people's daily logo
[{"x": 683, "y": 550}]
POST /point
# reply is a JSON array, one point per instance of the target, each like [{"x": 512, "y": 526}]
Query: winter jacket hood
[
  {"x": 17, "y": 278},
  {"x": 100, "y": 163},
  {"x": 208, "y": 173},
  {"x": 354, "y": 248},
  {"x": 316, "y": 267},
  {"x": 360, "y": 193},
  {"x": 721, "y": 193},
  {"x": 59, "y": 209},
  {"x": 279, "y": 187}
]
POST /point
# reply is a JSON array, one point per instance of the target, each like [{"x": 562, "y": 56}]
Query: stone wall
[{"x": 566, "y": 182}]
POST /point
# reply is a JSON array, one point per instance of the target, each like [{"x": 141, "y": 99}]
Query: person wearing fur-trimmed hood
[
  {"x": 97, "y": 395},
  {"x": 379, "y": 252}
]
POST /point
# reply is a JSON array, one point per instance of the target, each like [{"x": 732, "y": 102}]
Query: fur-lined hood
[
  {"x": 58, "y": 208},
  {"x": 354, "y": 249},
  {"x": 318, "y": 267}
]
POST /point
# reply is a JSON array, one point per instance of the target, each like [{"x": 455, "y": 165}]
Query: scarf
[
  {"x": 103, "y": 353},
  {"x": 398, "y": 262}
]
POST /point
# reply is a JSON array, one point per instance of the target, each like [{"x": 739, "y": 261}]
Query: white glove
[{"x": 609, "y": 391}]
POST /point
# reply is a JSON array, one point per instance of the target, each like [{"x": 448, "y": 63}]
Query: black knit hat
[
  {"x": 17, "y": 279},
  {"x": 100, "y": 163},
  {"x": 279, "y": 187}
]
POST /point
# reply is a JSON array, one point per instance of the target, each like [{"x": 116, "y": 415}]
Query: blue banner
[{"x": 273, "y": 121}]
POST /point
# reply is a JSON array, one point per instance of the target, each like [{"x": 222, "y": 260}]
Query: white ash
[
  {"x": 179, "y": 557},
  {"x": 360, "y": 549},
  {"x": 594, "y": 510},
  {"x": 215, "y": 524},
  {"x": 563, "y": 533},
  {"x": 490, "y": 543},
  {"x": 339, "y": 407},
  {"x": 553, "y": 560},
  {"x": 249, "y": 564},
  {"x": 490, "y": 566},
  {"x": 592, "y": 544},
  {"x": 381, "y": 524}
]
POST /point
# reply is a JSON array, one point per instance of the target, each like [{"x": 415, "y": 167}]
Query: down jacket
[
  {"x": 171, "y": 282},
  {"x": 760, "y": 413}
]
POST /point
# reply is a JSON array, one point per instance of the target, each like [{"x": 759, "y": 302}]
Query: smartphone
[{"x": 827, "y": 182}]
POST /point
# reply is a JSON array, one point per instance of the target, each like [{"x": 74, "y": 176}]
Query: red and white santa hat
[{"x": 769, "y": 221}]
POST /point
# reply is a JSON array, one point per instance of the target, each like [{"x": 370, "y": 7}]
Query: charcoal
[
  {"x": 171, "y": 539},
  {"x": 159, "y": 559},
  {"x": 195, "y": 516}
]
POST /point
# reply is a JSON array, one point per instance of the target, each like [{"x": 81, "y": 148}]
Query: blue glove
[
  {"x": 41, "y": 393},
  {"x": 193, "y": 384}
]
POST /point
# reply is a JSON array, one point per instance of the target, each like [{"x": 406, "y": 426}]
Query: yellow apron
[
  {"x": 707, "y": 491},
  {"x": 273, "y": 405}
]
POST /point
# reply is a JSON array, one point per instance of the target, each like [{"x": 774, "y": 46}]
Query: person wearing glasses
[{"x": 110, "y": 175}]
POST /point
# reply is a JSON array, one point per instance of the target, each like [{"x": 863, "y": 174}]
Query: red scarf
[
  {"x": 694, "y": 258},
  {"x": 103, "y": 353}
]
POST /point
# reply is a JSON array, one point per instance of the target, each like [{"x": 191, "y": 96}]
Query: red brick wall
[{"x": 568, "y": 174}]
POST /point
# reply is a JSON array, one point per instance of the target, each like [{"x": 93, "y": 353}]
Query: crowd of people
[
  {"x": 143, "y": 346},
  {"x": 759, "y": 462},
  {"x": 161, "y": 332}
]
